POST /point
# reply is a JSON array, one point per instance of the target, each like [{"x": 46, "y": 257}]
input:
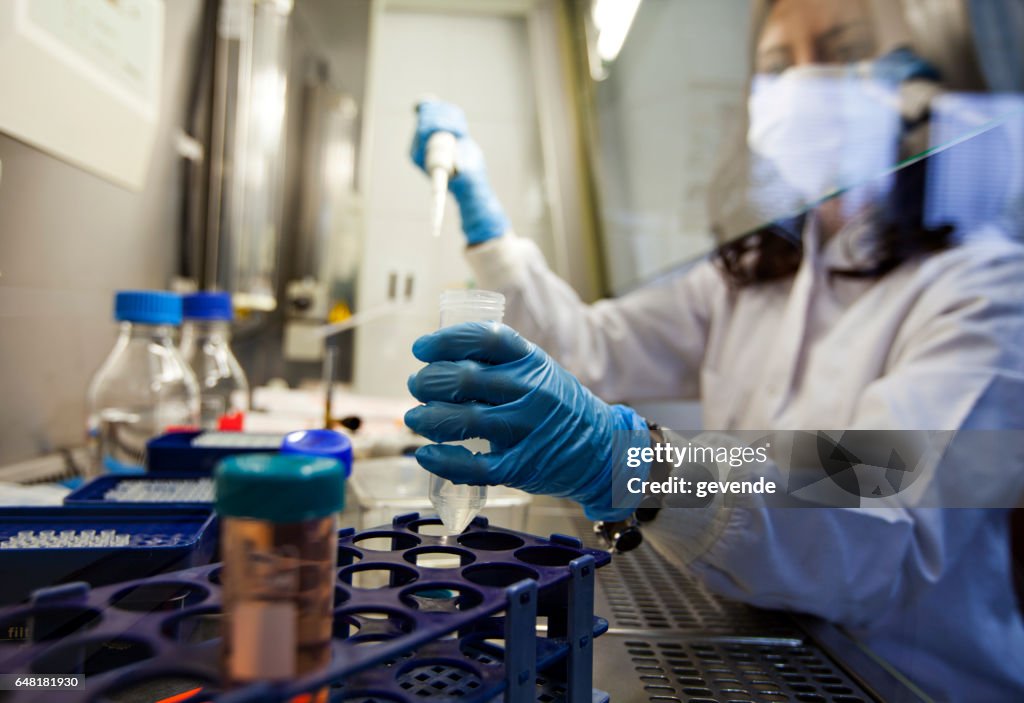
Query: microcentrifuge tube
[{"x": 457, "y": 505}]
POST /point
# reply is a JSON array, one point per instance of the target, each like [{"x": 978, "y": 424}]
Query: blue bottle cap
[
  {"x": 210, "y": 305},
  {"x": 151, "y": 307},
  {"x": 326, "y": 443},
  {"x": 279, "y": 487}
]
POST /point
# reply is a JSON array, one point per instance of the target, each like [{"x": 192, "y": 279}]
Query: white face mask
[{"x": 825, "y": 128}]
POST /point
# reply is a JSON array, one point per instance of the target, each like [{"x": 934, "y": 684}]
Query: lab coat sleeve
[
  {"x": 958, "y": 365},
  {"x": 645, "y": 345}
]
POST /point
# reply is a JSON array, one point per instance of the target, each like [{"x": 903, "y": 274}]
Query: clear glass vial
[{"x": 457, "y": 505}]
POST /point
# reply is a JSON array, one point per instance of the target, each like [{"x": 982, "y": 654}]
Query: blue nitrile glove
[
  {"x": 482, "y": 215},
  {"x": 548, "y": 434}
]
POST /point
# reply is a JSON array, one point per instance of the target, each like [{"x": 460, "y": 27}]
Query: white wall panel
[{"x": 480, "y": 62}]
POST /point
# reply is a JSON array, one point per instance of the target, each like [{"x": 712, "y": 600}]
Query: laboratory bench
[{"x": 670, "y": 639}]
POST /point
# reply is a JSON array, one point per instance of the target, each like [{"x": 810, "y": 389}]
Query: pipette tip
[{"x": 439, "y": 180}]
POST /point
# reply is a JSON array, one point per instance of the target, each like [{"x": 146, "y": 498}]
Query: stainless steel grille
[
  {"x": 643, "y": 591},
  {"x": 684, "y": 644},
  {"x": 640, "y": 590},
  {"x": 734, "y": 672}
]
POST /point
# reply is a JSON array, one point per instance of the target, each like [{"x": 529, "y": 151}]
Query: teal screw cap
[{"x": 279, "y": 487}]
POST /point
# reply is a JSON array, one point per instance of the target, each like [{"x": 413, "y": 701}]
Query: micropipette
[{"x": 439, "y": 162}]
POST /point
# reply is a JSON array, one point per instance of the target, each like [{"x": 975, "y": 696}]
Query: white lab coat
[{"x": 936, "y": 344}]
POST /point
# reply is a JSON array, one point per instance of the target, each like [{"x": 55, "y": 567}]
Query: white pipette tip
[
  {"x": 440, "y": 162},
  {"x": 439, "y": 184}
]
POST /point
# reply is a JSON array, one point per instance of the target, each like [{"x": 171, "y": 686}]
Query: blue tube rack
[{"x": 428, "y": 630}]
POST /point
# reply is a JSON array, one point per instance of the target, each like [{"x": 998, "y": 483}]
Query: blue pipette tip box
[
  {"x": 51, "y": 545},
  {"x": 197, "y": 453},
  {"x": 162, "y": 491}
]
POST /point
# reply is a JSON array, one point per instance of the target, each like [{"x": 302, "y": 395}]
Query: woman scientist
[{"x": 853, "y": 315}]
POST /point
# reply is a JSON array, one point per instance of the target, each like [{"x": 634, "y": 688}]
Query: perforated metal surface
[
  {"x": 672, "y": 640},
  {"x": 643, "y": 591},
  {"x": 722, "y": 672},
  {"x": 640, "y": 590}
]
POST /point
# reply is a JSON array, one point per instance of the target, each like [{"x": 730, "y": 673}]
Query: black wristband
[{"x": 659, "y": 471}]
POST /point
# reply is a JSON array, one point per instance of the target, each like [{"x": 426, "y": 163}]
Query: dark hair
[{"x": 774, "y": 251}]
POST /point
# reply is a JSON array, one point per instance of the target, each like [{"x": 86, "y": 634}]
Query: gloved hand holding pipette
[
  {"x": 549, "y": 434},
  {"x": 482, "y": 215}
]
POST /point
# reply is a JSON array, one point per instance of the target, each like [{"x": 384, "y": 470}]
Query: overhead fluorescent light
[{"x": 612, "y": 20}]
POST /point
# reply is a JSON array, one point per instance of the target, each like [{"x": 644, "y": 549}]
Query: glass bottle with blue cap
[
  {"x": 206, "y": 346},
  {"x": 144, "y": 387}
]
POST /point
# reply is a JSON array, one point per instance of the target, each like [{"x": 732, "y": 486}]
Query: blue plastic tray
[
  {"x": 175, "y": 452},
  {"x": 426, "y": 631},
  {"x": 159, "y": 540},
  {"x": 93, "y": 493}
]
